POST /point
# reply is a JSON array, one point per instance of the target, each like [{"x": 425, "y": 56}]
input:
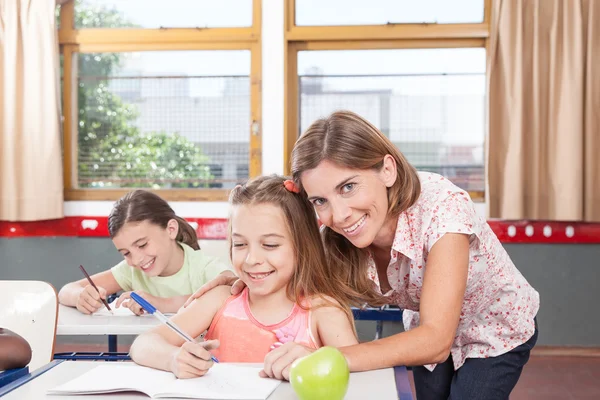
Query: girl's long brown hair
[
  {"x": 311, "y": 276},
  {"x": 142, "y": 205},
  {"x": 350, "y": 141}
]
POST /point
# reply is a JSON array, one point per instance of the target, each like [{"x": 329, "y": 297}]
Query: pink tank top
[{"x": 244, "y": 339}]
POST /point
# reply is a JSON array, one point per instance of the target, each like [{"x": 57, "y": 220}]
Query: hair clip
[{"x": 291, "y": 186}]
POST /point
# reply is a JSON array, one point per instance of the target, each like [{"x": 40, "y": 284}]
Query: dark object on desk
[{"x": 15, "y": 352}]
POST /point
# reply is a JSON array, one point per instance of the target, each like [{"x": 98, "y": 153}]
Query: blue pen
[{"x": 161, "y": 317}]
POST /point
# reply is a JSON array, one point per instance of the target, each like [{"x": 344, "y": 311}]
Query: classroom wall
[{"x": 565, "y": 275}]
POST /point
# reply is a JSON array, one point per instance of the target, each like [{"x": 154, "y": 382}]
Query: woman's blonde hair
[
  {"x": 350, "y": 141},
  {"x": 311, "y": 275}
]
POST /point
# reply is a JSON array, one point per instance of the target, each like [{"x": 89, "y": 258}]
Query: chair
[{"x": 30, "y": 309}]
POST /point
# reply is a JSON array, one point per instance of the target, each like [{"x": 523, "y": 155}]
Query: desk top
[
  {"x": 379, "y": 384},
  {"x": 73, "y": 322}
]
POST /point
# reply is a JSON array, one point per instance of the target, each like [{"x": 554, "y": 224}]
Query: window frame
[
  {"x": 93, "y": 40},
  {"x": 367, "y": 37}
]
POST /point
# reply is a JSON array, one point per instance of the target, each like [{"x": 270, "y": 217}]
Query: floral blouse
[{"x": 499, "y": 304}]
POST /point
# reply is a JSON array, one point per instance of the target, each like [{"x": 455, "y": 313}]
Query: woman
[{"x": 413, "y": 239}]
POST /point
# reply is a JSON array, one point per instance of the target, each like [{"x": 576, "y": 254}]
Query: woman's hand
[
  {"x": 89, "y": 300},
  {"x": 278, "y": 361},
  {"x": 225, "y": 278},
  {"x": 193, "y": 359},
  {"x": 126, "y": 300}
]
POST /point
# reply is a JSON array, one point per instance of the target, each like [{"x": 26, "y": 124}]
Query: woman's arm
[
  {"x": 158, "y": 347},
  {"x": 72, "y": 293},
  {"x": 442, "y": 296},
  {"x": 444, "y": 285},
  {"x": 15, "y": 352}
]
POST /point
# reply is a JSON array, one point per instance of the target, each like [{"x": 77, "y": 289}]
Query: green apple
[{"x": 323, "y": 374}]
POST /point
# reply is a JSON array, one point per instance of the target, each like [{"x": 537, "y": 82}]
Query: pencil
[{"x": 95, "y": 287}]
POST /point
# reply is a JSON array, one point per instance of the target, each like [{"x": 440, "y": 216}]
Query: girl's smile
[
  {"x": 258, "y": 277},
  {"x": 146, "y": 267}
]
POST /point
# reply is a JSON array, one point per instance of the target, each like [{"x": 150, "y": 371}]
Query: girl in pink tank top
[{"x": 290, "y": 296}]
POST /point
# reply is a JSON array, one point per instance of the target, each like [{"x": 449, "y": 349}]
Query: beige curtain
[
  {"x": 31, "y": 186},
  {"x": 543, "y": 156}
]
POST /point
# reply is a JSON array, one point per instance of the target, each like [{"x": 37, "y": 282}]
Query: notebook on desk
[
  {"x": 223, "y": 381},
  {"x": 120, "y": 311}
]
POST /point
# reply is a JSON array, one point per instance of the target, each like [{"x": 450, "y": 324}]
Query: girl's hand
[
  {"x": 193, "y": 359},
  {"x": 221, "y": 279},
  {"x": 126, "y": 300},
  {"x": 278, "y": 361},
  {"x": 89, "y": 301}
]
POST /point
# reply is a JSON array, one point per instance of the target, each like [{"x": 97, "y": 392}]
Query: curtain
[
  {"x": 544, "y": 110},
  {"x": 31, "y": 186}
]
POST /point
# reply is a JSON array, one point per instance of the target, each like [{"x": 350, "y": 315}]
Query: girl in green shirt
[{"x": 162, "y": 259}]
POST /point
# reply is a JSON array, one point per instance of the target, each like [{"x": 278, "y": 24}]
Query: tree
[{"x": 112, "y": 150}]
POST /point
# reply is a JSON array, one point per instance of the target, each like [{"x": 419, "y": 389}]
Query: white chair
[{"x": 30, "y": 309}]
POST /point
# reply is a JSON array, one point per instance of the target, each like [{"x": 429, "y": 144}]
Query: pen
[
  {"x": 161, "y": 317},
  {"x": 95, "y": 287}
]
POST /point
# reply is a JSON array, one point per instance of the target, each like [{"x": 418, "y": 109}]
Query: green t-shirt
[{"x": 197, "y": 269}]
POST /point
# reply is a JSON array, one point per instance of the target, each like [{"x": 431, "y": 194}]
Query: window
[
  {"x": 158, "y": 14},
  {"x": 429, "y": 102},
  {"x": 165, "y": 109},
  {"x": 422, "y": 85},
  {"x": 382, "y": 12}
]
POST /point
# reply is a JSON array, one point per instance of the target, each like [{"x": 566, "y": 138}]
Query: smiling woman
[
  {"x": 162, "y": 260},
  {"x": 413, "y": 239}
]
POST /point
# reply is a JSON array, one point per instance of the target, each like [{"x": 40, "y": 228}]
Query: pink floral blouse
[{"x": 499, "y": 304}]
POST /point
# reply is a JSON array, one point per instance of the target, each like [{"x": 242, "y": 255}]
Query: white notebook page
[{"x": 223, "y": 381}]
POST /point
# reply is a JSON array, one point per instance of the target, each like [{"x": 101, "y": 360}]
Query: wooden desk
[{"x": 379, "y": 384}]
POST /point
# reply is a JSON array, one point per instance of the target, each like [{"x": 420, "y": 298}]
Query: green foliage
[
  {"x": 158, "y": 160},
  {"x": 112, "y": 150},
  {"x": 93, "y": 14}
]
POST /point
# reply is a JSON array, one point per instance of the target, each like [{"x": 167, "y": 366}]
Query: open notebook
[{"x": 223, "y": 381}]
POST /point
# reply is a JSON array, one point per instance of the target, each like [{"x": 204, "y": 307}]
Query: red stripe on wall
[
  {"x": 216, "y": 228},
  {"x": 207, "y": 228}
]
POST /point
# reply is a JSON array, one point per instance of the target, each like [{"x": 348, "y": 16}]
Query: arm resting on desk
[
  {"x": 430, "y": 343},
  {"x": 70, "y": 294},
  {"x": 15, "y": 352},
  {"x": 164, "y": 349}
]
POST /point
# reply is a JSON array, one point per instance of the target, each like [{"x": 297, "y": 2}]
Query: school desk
[
  {"x": 73, "y": 322},
  {"x": 380, "y": 384},
  {"x": 11, "y": 375}
]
